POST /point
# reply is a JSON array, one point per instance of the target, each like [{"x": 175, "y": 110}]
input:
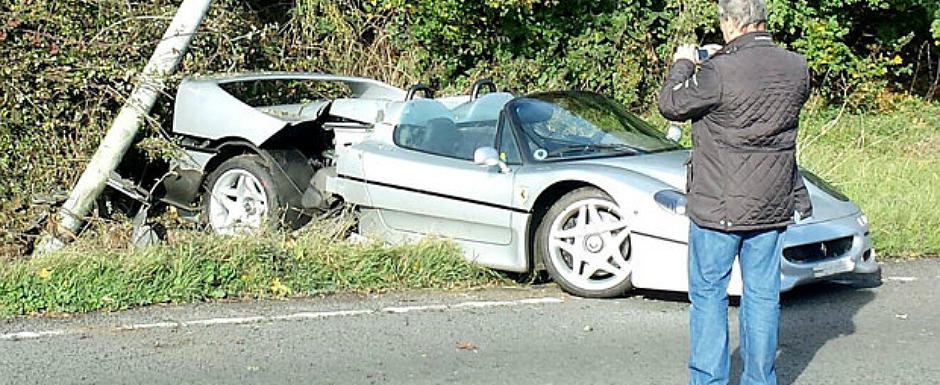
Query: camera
[
  {"x": 702, "y": 53},
  {"x": 706, "y": 51}
]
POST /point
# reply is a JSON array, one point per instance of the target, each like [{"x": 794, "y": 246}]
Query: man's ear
[{"x": 725, "y": 25}]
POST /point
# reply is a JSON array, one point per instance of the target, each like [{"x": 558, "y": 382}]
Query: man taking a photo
[{"x": 743, "y": 184}]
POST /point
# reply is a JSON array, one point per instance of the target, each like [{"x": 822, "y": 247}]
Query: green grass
[
  {"x": 199, "y": 267},
  {"x": 889, "y": 164}
]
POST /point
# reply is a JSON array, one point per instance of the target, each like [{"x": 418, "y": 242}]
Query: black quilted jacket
[{"x": 744, "y": 103}]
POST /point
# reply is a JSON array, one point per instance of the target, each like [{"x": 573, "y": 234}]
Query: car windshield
[{"x": 578, "y": 124}]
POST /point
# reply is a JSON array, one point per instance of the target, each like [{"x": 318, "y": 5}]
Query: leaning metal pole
[{"x": 151, "y": 82}]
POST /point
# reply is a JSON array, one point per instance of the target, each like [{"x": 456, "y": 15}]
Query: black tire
[
  {"x": 277, "y": 215},
  {"x": 542, "y": 253}
]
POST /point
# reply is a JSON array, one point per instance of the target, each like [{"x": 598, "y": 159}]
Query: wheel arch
[
  {"x": 285, "y": 164},
  {"x": 184, "y": 188},
  {"x": 225, "y": 149},
  {"x": 542, "y": 203}
]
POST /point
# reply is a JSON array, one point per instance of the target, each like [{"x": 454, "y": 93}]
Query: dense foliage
[
  {"x": 854, "y": 47},
  {"x": 68, "y": 65}
]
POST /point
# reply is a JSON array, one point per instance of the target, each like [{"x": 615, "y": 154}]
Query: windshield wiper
[{"x": 594, "y": 147}]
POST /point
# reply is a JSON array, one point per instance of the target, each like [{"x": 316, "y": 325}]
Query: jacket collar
[{"x": 750, "y": 39}]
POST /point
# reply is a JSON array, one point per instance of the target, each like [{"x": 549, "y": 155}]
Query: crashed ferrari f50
[{"x": 565, "y": 181}]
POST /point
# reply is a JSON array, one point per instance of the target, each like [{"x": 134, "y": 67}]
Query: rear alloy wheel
[
  {"x": 584, "y": 242},
  {"x": 240, "y": 196}
]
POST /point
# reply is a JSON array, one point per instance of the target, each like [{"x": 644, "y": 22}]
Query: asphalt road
[{"x": 537, "y": 335}]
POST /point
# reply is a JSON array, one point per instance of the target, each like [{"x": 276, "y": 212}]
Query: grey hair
[{"x": 743, "y": 12}]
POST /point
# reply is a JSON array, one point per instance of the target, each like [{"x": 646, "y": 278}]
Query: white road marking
[
  {"x": 290, "y": 317},
  {"x": 476, "y": 304},
  {"x": 29, "y": 335},
  {"x": 902, "y": 279},
  {"x": 224, "y": 321},
  {"x": 322, "y": 314},
  {"x": 405, "y": 309},
  {"x": 151, "y": 326},
  {"x": 527, "y": 301}
]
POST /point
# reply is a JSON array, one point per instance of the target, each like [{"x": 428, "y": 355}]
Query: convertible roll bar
[
  {"x": 475, "y": 92},
  {"x": 428, "y": 92}
]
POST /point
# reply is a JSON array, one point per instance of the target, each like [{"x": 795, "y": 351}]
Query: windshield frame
[{"x": 527, "y": 153}]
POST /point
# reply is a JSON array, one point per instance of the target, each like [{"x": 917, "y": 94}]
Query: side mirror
[
  {"x": 489, "y": 157},
  {"x": 673, "y": 133}
]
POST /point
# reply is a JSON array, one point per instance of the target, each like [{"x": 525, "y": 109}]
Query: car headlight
[{"x": 671, "y": 200}]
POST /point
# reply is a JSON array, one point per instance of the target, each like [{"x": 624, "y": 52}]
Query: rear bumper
[{"x": 858, "y": 264}]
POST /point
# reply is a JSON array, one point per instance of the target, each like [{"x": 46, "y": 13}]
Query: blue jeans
[{"x": 711, "y": 254}]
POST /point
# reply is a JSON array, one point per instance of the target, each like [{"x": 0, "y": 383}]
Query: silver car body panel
[
  {"x": 411, "y": 194},
  {"x": 406, "y": 194},
  {"x": 204, "y": 110}
]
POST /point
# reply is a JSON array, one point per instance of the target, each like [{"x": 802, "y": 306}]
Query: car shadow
[
  {"x": 810, "y": 316},
  {"x": 660, "y": 295}
]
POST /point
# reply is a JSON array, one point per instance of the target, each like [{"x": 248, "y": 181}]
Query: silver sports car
[{"x": 565, "y": 181}]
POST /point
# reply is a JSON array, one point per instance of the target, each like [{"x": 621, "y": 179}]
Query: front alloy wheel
[{"x": 584, "y": 241}]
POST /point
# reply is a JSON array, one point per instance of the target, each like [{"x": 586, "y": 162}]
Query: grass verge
[
  {"x": 198, "y": 267},
  {"x": 889, "y": 164}
]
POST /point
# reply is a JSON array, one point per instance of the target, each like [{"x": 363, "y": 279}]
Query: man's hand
[{"x": 686, "y": 51}]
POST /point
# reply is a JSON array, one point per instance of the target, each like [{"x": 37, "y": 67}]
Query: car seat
[{"x": 440, "y": 137}]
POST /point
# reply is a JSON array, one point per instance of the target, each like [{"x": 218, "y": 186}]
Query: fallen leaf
[{"x": 466, "y": 346}]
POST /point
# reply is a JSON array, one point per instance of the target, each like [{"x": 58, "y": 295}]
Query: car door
[{"x": 427, "y": 183}]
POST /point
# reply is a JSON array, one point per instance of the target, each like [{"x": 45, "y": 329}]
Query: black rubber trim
[
  {"x": 475, "y": 91},
  {"x": 431, "y": 193},
  {"x": 659, "y": 238},
  {"x": 428, "y": 92}
]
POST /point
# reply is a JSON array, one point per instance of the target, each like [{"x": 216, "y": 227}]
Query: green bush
[
  {"x": 854, "y": 47},
  {"x": 617, "y": 47}
]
